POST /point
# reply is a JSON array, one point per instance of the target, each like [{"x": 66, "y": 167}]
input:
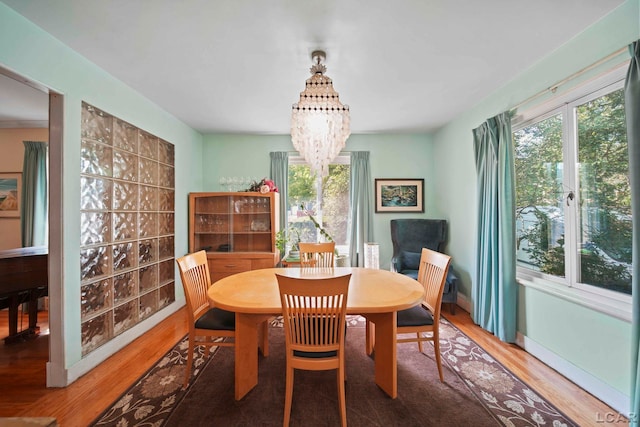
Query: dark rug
[{"x": 478, "y": 391}]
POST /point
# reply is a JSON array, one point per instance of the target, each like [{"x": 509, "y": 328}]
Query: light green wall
[
  {"x": 392, "y": 156},
  {"x": 568, "y": 329},
  {"x": 33, "y": 53}
]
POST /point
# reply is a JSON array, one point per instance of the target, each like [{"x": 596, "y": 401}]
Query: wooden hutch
[{"x": 238, "y": 230}]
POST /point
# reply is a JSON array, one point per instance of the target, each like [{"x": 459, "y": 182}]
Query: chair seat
[
  {"x": 415, "y": 316},
  {"x": 217, "y": 318},
  {"x": 315, "y": 354}
]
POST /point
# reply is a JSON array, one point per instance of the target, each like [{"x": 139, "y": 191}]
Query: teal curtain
[
  {"x": 632, "y": 109},
  {"x": 495, "y": 288},
  {"x": 280, "y": 175},
  {"x": 361, "y": 207},
  {"x": 34, "y": 205}
]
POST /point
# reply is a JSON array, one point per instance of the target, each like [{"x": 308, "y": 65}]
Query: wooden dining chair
[
  {"x": 425, "y": 317},
  {"x": 316, "y": 254},
  {"x": 314, "y": 312},
  {"x": 215, "y": 325}
]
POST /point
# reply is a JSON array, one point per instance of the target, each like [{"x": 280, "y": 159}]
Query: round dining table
[{"x": 374, "y": 294}]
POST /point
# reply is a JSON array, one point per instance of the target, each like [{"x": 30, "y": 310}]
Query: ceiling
[{"x": 237, "y": 66}]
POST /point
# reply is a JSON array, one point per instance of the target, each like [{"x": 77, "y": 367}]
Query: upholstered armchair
[{"x": 409, "y": 236}]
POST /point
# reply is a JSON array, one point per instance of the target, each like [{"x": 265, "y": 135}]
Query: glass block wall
[{"x": 127, "y": 226}]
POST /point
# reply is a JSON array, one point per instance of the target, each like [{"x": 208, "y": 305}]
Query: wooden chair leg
[
  {"x": 288, "y": 396},
  {"x": 419, "y": 342},
  {"x": 342, "y": 404},
  {"x": 436, "y": 348},
  {"x": 187, "y": 373}
]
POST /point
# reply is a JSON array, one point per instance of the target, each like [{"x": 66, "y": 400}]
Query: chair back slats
[
  {"x": 433, "y": 274},
  {"x": 316, "y": 254},
  {"x": 194, "y": 272},
  {"x": 314, "y": 312}
]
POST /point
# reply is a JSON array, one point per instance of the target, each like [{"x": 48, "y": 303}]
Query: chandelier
[{"x": 320, "y": 124}]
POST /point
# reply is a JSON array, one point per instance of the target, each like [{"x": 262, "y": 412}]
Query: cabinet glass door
[{"x": 238, "y": 222}]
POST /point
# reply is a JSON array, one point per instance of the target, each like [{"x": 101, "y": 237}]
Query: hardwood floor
[{"x": 23, "y": 391}]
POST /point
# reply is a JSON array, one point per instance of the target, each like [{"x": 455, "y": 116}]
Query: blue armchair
[{"x": 409, "y": 236}]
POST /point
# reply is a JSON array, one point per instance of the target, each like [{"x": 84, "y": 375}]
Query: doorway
[{"x": 27, "y": 106}]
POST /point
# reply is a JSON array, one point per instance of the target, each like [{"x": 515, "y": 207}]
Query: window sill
[{"x": 618, "y": 308}]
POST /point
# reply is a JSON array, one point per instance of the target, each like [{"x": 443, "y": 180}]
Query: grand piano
[{"x": 23, "y": 279}]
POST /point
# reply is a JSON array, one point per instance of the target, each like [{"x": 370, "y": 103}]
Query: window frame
[
  {"x": 614, "y": 303},
  {"x": 341, "y": 159}
]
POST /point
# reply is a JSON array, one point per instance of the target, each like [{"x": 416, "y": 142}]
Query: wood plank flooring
[{"x": 23, "y": 391}]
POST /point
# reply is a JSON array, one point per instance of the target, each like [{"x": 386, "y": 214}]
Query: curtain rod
[{"x": 553, "y": 88}]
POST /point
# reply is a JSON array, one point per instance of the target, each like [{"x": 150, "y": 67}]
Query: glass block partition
[{"x": 127, "y": 226}]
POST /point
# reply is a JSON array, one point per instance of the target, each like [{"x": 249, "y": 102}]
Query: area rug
[{"x": 477, "y": 390}]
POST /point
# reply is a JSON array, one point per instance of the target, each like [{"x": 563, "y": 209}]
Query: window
[
  {"x": 326, "y": 199},
  {"x": 573, "y": 212}
]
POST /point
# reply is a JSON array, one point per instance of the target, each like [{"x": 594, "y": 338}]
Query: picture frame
[
  {"x": 399, "y": 195},
  {"x": 10, "y": 194}
]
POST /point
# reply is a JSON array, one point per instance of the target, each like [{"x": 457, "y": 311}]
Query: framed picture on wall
[
  {"x": 399, "y": 195},
  {"x": 10, "y": 194}
]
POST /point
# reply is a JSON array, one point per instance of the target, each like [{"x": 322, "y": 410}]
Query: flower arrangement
[{"x": 264, "y": 186}]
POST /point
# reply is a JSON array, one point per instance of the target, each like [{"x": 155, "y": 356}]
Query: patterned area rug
[{"x": 482, "y": 382}]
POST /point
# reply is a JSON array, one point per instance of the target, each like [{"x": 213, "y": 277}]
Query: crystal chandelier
[{"x": 320, "y": 124}]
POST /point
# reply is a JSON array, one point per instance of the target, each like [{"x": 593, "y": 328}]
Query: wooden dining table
[{"x": 374, "y": 294}]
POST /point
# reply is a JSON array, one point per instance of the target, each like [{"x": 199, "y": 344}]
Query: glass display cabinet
[{"x": 238, "y": 230}]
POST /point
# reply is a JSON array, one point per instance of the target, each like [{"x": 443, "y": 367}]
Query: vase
[{"x": 341, "y": 261}]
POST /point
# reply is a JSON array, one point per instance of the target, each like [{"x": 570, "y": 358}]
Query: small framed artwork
[
  {"x": 399, "y": 195},
  {"x": 10, "y": 194}
]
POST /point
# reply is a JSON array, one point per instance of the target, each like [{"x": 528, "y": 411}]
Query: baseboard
[
  {"x": 609, "y": 395},
  {"x": 464, "y": 302},
  {"x": 56, "y": 375}
]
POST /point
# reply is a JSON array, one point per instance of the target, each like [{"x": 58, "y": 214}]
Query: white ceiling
[{"x": 237, "y": 66}]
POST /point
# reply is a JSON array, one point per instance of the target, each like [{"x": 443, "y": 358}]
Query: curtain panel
[
  {"x": 35, "y": 202},
  {"x": 280, "y": 175},
  {"x": 632, "y": 109},
  {"x": 361, "y": 207},
  {"x": 494, "y": 290}
]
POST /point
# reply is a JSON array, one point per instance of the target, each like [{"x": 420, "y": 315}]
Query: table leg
[
  {"x": 369, "y": 339},
  {"x": 386, "y": 369},
  {"x": 263, "y": 338},
  {"x": 248, "y": 328}
]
